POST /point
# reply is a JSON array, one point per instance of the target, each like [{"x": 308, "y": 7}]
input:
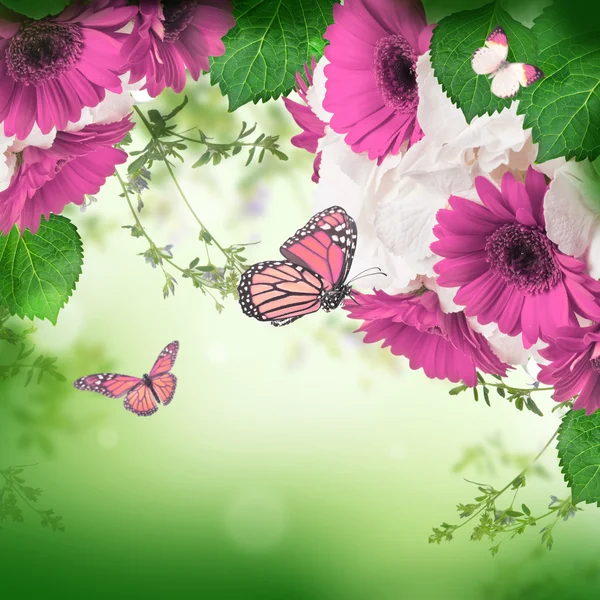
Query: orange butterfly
[{"x": 143, "y": 395}]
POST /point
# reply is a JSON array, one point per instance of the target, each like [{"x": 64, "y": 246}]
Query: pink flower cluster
[
  {"x": 371, "y": 90},
  {"x": 55, "y": 72},
  {"x": 507, "y": 272},
  {"x": 490, "y": 266}
]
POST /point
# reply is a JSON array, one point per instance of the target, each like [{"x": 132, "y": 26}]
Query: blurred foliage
[
  {"x": 528, "y": 580},
  {"x": 492, "y": 456},
  {"x": 16, "y": 497},
  {"x": 38, "y": 416},
  {"x": 24, "y": 361},
  {"x": 207, "y": 110}
]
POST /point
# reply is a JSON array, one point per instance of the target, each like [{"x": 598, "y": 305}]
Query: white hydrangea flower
[
  {"x": 572, "y": 212},
  {"x": 444, "y": 163},
  {"x": 344, "y": 176}
]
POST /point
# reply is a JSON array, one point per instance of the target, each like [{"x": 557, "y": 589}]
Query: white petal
[
  {"x": 316, "y": 92},
  {"x": 508, "y": 349},
  {"x": 404, "y": 221},
  {"x": 35, "y": 138},
  {"x": 408, "y": 197},
  {"x": 594, "y": 253},
  {"x": 445, "y": 295},
  {"x": 439, "y": 119},
  {"x": 141, "y": 96},
  {"x": 549, "y": 167},
  {"x": 113, "y": 108},
  {"x": 343, "y": 178},
  {"x": 570, "y": 217},
  {"x": 7, "y": 162}
]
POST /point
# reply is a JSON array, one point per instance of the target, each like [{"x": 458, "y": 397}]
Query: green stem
[
  {"x": 499, "y": 493},
  {"x": 517, "y": 390},
  {"x": 159, "y": 147},
  {"x": 205, "y": 285}
]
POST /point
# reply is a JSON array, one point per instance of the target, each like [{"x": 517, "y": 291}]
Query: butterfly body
[
  {"x": 148, "y": 382},
  {"x": 142, "y": 395},
  {"x": 506, "y": 77},
  {"x": 332, "y": 299},
  {"x": 313, "y": 276}
]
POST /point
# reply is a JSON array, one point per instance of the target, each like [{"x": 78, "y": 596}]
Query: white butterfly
[{"x": 506, "y": 77}]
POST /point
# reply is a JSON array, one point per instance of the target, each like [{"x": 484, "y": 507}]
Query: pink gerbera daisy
[
  {"x": 509, "y": 272},
  {"x": 371, "y": 79},
  {"x": 574, "y": 367},
  {"x": 52, "y": 68},
  {"x": 169, "y": 36},
  {"x": 46, "y": 180},
  {"x": 314, "y": 128},
  {"x": 414, "y": 326}
]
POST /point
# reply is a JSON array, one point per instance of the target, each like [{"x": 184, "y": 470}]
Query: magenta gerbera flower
[
  {"x": 46, "y": 180},
  {"x": 313, "y": 127},
  {"x": 509, "y": 272},
  {"x": 414, "y": 326},
  {"x": 52, "y": 68},
  {"x": 169, "y": 36},
  {"x": 371, "y": 79},
  {"x": 574, "y": 367}
]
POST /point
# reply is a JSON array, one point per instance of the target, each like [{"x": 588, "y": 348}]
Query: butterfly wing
[
  {"x": 506, "y": 83},
  {"x": 325, "y": 245},
  {"x": 280, "y": 292},
  {"x": 488, "y": 59},
  {"x": 111, "y": 385},
  {"x": 166, "y": 359},
  {"x": 164, "y": 385},
  {"x": 140, "y": 401},
  {"x": 528, "y": 74}
]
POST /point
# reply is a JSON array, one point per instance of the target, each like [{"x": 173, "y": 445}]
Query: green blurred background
[{"x": 293, "y": 463}]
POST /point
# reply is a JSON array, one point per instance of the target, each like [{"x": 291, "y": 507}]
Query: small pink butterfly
[
  {"x": 143, "y": 394},
  {"x": 506, "y": 77}
]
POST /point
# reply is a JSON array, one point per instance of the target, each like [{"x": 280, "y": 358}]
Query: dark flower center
[
  {"x": 394, "y": 68},
  {"x": 178, "y": 16},
  {"x": 43, "y": 50},
  {"x": 523, "y": 256}
]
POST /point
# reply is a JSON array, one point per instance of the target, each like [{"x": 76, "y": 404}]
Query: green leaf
[
  {"x": 36, "y": 9},
  {"x": 38, "y": 272},
  {"x": 579, "y": 455},
  {"x": 458, "y": 390},
  {"x": 456, "y": 38},
  {"x": 562, "y": 110},
  {"x": 271, "y": 41}
]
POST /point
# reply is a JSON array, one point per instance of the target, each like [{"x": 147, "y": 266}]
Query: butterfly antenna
[
  {"x": 350, "y": 294},
  {"x": 366, "y": 273}
]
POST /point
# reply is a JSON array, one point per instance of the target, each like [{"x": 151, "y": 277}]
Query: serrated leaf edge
[
  {"x": 561, "y": 461},
  {"x": 77, "y": 273}
]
